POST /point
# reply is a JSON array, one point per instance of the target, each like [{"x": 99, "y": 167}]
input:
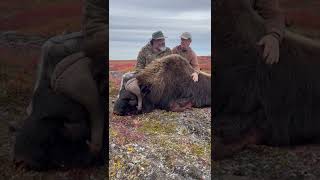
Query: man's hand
[
  {"x": 195, "y": 76},
  {"x": 271, "y": 49}
]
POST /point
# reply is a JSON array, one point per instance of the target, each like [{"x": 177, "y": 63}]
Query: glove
[{"x": 271, "y": 49}]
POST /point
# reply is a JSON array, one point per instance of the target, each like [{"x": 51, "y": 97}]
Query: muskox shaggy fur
[
  {"x": 165, "y": 83},
  {"x": 258, "y": 103}
]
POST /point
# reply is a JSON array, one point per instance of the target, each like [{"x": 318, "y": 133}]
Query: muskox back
[
  {"x": 169, "y": 78},
  {"x": 284, "y": 98}
]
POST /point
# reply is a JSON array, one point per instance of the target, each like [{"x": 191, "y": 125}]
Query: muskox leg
[
  {"x": 180, "y": 105},
  {"x": 233, "y": 132}
]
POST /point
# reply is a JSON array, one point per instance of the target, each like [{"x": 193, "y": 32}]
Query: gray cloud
[{"x": 133, "y": 21}]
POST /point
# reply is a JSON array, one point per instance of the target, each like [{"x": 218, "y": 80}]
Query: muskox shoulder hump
[{"x": 174, "y": 60}]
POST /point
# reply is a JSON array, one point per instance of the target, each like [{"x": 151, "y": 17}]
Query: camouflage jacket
[
  {"x": 274, "y": 19},
  {"x": 189, "y": 54},
  {"x": 94, "y": 27},
  {"x": 146, "y": 56}
]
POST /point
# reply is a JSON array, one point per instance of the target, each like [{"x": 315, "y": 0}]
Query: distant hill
[{"x": 45, "y": 17}]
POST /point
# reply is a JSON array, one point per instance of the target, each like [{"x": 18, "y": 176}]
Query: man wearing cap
[
  {"x": 155, "y": 49},
  {"x": 185, "y": 51}
]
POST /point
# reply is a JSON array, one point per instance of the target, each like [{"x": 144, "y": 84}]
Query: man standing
[
  {"x": 185, "y": 51},
  {"x": 274, "y": 26}
]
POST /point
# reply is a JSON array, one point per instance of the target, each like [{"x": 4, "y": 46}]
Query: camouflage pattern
[
  {"x": 146, "y": 56},
  {"x": 274, "y": 19},
  {"x": 189, "y": 54}
]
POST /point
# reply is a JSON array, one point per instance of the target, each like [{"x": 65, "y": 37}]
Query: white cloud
[{"x": 133, "y": 21}]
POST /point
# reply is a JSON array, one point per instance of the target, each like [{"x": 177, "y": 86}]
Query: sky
[{"x": 132, "y": 22}]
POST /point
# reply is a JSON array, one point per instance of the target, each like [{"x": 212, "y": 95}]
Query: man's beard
[{"x": 162, "y": 48}]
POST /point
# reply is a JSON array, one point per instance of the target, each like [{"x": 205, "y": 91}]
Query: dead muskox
[
  {"x": 165, "y": 83},
  {"x": 56, "y": 132},
  {"x": 256, "y": 103}
]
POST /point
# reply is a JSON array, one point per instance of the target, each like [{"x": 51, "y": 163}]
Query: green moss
[
  {"x": 163, "y": 115},
  {"x": 156, "y": 127},
  {"x": 113, "y": 133},
  {"x": 167, "y": 143},
  {"x": 197, "y": 150},
  {"x": 115, "y": 167}
]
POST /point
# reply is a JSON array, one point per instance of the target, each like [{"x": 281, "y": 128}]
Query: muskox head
[
  {"x": 126, "y": 104},
  {"x": 130, "y": 99},
  {"x": 53, "y": 135}
]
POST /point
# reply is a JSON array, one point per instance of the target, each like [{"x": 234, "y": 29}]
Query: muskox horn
[{"x": 133, "y": 87}]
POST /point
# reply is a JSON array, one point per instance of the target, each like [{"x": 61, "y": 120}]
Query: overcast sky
[{"x": 132, "y": 23}]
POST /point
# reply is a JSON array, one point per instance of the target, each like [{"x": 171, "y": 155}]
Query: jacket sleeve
[
  {"x": 141, "y": 61},
  {"x": 274, "y": 19},
  {"x": 94, "y": 27},
  {"x": 194, "y": 61}
]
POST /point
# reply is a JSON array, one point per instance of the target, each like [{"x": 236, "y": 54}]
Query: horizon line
[{"x": 136, "y": 59}]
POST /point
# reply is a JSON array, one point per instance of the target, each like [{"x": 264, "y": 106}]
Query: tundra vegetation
[{"x": 160, "y": 144}]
